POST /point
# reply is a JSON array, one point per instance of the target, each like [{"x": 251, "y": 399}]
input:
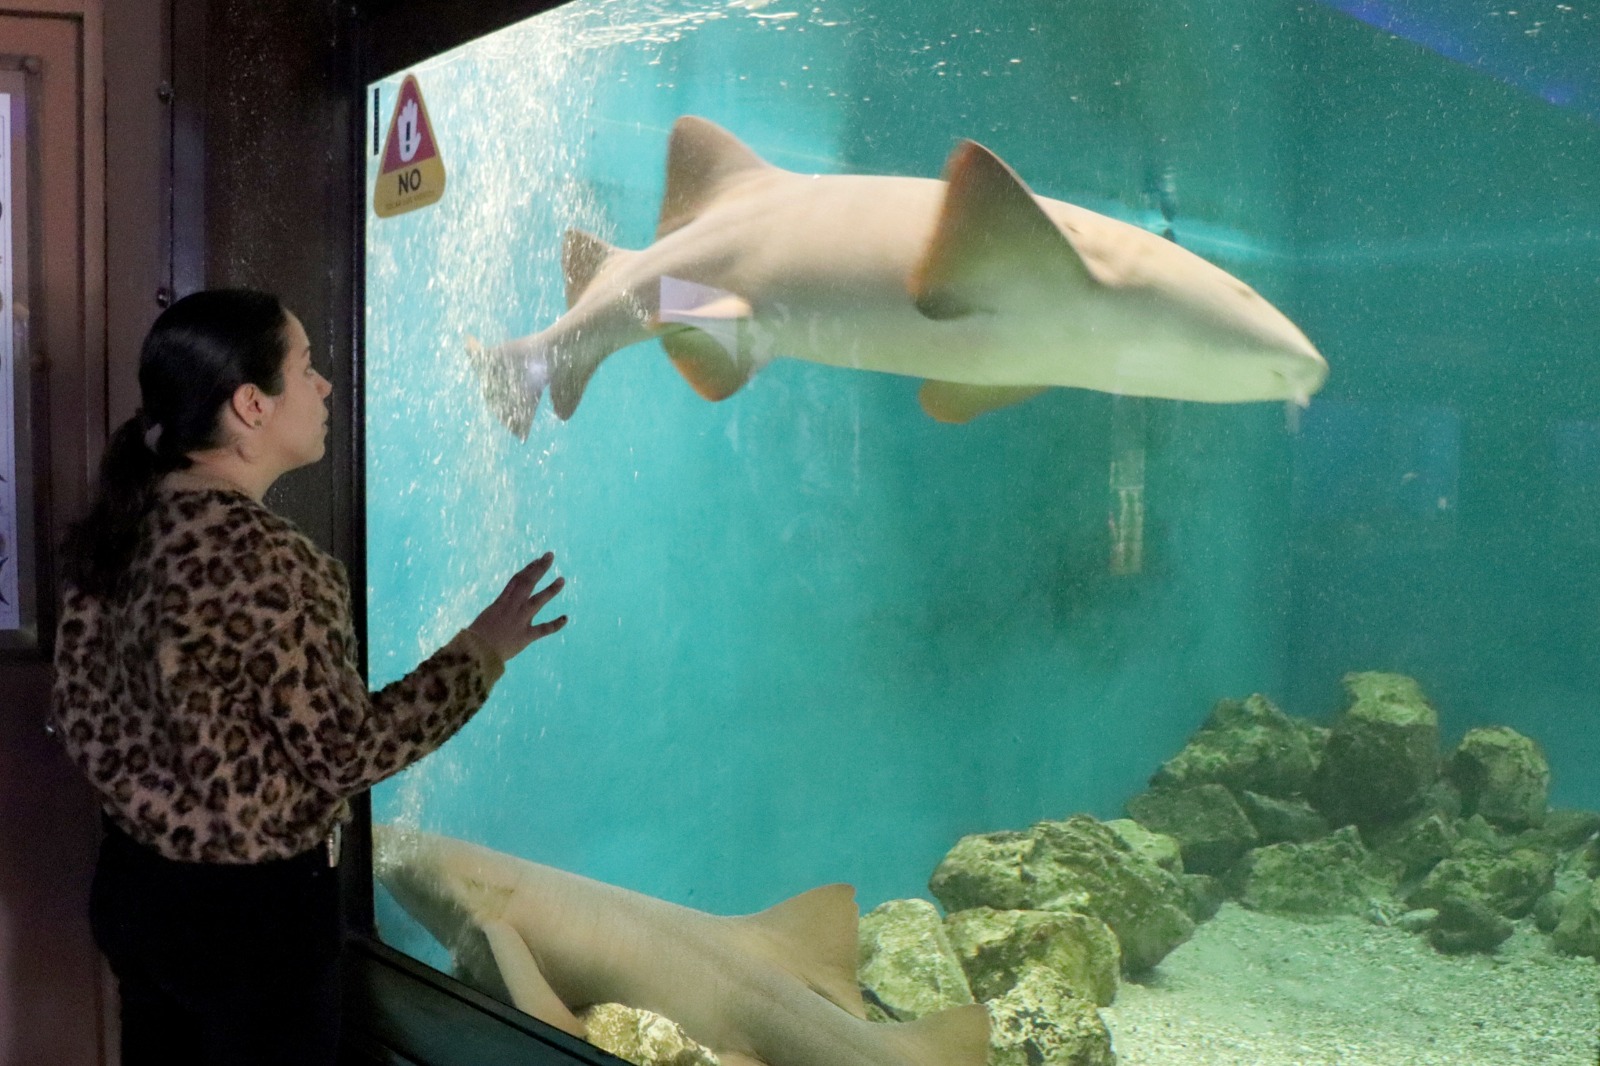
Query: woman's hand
[{"x": 506, "y": 625}]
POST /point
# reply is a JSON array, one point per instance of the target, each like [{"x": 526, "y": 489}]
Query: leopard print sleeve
[{"x": 342, "y": 738}]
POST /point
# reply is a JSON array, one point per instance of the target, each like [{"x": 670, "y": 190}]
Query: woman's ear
[{"x": 250, "y": 405}]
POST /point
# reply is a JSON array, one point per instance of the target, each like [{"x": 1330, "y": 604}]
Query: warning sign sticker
[{"x": 412, "y": 173}]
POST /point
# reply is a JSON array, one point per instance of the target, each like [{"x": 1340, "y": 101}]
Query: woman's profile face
[{"x": 297, "y": 428}]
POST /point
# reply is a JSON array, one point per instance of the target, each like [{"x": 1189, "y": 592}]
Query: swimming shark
[
  {"x": 989, "y": 293},
  {"x": 776, "y": 988}
]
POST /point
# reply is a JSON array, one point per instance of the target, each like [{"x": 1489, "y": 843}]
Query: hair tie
[{"x": 152, "y": 436}]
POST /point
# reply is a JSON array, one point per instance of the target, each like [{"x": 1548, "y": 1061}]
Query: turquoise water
[{"x": 817, "y": 636}]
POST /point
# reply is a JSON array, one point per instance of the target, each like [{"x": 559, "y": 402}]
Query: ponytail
[
  {"x": 97, "y": 550},
  {"x": 198, "y": 352}
]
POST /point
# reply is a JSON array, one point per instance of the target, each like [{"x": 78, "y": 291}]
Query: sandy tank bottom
[{"x": 1253, "y": 989}]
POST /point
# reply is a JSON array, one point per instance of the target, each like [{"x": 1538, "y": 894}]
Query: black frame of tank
[{"x": 399, "y": 1011}]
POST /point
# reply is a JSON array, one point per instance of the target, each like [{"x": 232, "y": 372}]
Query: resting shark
[
  {"x": 776, "y": 988},
  {"x": 988, "y": 292}
]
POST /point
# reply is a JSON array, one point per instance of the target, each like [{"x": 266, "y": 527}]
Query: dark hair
[{"x": 196, "y": 355}]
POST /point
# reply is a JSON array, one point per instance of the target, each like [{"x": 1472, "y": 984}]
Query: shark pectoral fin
[
  {"x": 582, "y": 256},
  {"x": 815, "y": 937},
  {"x": 948, "y": 401},
  {"x": 705, "y": 364},
  {"x": 713, "y": 354},
  {"x": 702, "y": 158},
  {"x": 958, "y": 1036},
  {"x": 992, "y": 236},
  {"x": 530, "y": 992}
]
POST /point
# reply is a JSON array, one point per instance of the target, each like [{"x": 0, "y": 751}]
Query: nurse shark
[
  {"x": 988, "y": 292},
  {"x": 776, "y": 988}
]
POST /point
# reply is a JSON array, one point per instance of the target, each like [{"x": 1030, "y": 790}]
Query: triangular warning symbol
[{"x": 412, "y": 174}]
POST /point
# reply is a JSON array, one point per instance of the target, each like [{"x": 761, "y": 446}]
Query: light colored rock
[
  {"x": 1244, "y": 744},
  {"x": 1148, "y": 844},
  {"x": 1382, "y": 754},
  {"x": 642, "y": 1037},
  {"x": 997, "y": 948},
  {"x": 1503, "y": 776},
  {"x": 1578, "y": 932},
  {"x": 1076, "y": 865},
  {"x": 1205, "y": 820},
  {"x": 1283, "y": 820},
  {"x": 907, "y": 967},
  {"x": 1335, "y": 875},
  {"x": 1041, "y": 1023},
  {"x": 1508, "y": 883}
]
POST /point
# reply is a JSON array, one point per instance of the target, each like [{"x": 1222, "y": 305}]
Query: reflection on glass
[{"x": 1276, "y": 742}]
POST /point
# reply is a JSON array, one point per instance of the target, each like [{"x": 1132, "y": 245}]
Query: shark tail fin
[
  {"x": 958, "y": 1036},
  {"x": 582, "y": 257},
  {"x": 814, "y": 936},
  {"x": 512, "y": 375},
  {"x": 701, "y": 159}
]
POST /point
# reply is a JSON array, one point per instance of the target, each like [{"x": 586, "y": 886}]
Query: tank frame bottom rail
[{"x": 399, "y": 1012}]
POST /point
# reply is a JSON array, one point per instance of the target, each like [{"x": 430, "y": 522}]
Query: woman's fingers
[
  {"x": 524, "y": 581},
  {"x": 507, "y": 622}
]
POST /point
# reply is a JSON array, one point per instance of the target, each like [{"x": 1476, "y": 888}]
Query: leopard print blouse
[{"x": 215, "y": 703}]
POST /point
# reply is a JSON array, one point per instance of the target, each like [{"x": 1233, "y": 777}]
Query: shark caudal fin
[
  {"x": 512, "y": 375},
  {"x": 814, "y": 936},
  {"x": 958, "y": 1036},
  {"x": 702, "y": 159}
]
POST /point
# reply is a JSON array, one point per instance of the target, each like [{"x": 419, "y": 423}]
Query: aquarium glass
[{"x": 818, "y": 636}]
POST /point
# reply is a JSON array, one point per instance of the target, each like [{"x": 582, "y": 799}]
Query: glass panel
[{"x": 819, "y": 636}]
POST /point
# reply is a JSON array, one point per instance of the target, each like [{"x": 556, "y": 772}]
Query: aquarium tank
[{"x": 1114, "y": 482}]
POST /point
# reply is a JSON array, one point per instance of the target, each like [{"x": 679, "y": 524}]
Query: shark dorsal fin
[
  {"x": 991, "y": 235},
  {"x": 701, "y": 158},
  {"x": 582, "y": 256},
  {"x": 814, "y": 936}
]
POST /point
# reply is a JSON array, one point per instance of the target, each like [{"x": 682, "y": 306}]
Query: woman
[{"x": 206, "y": 683}]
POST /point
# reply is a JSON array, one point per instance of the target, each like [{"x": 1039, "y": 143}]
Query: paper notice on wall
[{"x": 10, "y": 592}]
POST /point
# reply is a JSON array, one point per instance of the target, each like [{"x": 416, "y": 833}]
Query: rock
[
  {"x": 1382, "y": 754},
  {"x": 1077, "y": 865},
  {"x": 1205, "y": 820},
  {"x": 1244, "y": 744},
  {"x": 985, "y": 870},
  {"x": 1416, "y": 844},
  {"x": 1041, "y": 1023},
  {"x": 1466, "y": 924},
  {"x": 998, "y": 948},
  {"x": 1280, "y": 820},
  {"x": 1503, "y": 776},
  {"x": 643, "y": 1038},
  {"x": 1578, "y": 932},
  {"x": 1335, "y": 875},
  {"x": 907, "y": 966},
  {"x": 1563, "y": 830},
  {"x": 1479, "y": 830},
  {"x": 1154, "y": 847},
  {"x": 1417, "y": 921},
  {"x": 1507, "y": 884},
  {"x": 1206, "y": 894},
  {"x": 1569, "y": 882}
]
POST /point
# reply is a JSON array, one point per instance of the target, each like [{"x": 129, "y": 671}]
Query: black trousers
[{"x": 219, "y": 964}]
